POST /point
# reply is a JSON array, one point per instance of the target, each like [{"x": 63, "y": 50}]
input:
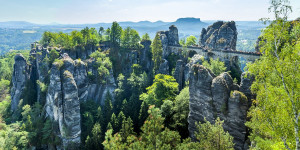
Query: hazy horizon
[{"x": 107, "y": 11}]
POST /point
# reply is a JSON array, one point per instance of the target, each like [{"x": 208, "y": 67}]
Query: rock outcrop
[
  {"x": 62, "y": 103},
  {"x": 246, "y": 82},
  {"x": 179, "y": 73},
  {"x": 19, "y": 78},
  {"x": 70, "y": 127},
  {"x": 164, "y": 67},
  {"x": 168, "y": 38},
  {"x": 145, "y": 56},
  {"x": 212, "y": 97},
  {"x": 221, "y": 35}
]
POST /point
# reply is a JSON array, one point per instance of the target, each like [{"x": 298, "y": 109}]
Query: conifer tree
[{"x": 157, "y": 51}]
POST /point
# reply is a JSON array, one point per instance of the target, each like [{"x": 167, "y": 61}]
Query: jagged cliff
[
  {"x": 68, "y": 85},
  {"x": 212, "y": 97},
  {"x": 220, "y": 35}
]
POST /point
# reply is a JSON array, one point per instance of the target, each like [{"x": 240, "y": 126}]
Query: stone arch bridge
[{"x": 221, "y": 54}]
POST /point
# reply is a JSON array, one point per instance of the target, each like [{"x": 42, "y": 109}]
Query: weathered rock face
[
  {"x": 69, "y": 85},
  {"x": 145, "y": 56},
  {"x": 19, "y": 78},
  {"x": 128, "y": 59},
  {"x": 200, "y": 97},
  {"x": 168, "y": 38},
  {"x": 220, "y": 35},
  {"x": 164, "y": 67},
  {"x": 236, "y": 118},
  {"x": 70, "y": 129},
  {"x": 210, "y": 97},
  {"x": 245, "y": 86},
  {"x": 80, "y": 76},
  {"x": 97, "y": 91},
  {"x": 173, "y": 36},
  {"x": 62, "y": 102},
  {"x": 179, "y": 73}
]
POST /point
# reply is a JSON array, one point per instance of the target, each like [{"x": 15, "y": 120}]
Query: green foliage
[
  {"x": 120, "y": 94},
  {"x": 115, "y": 34},
  {"x": 77, "y": 38},
  {"x": 213, "y": 136},
  {"x": 87, "y": 36},
  {"x": 13, "y": 136},
  {"x": 126, "y": 129},
  {"x": 4, "y": 89},
  {"x": 103, "y": 65},
  {"x": 90, "y": 114},
  {"x": 29, "y": 94},
  {"x": 95, "y": 141},
  {"x": 107, "y": 109},
  {"x": 172, "y": 59},
  {"x": 191, "y": 40},
  {"x": 164, "y": 87},
  {"x": 91, "y": 77},
  {"x": 275, "y": 113},
  {"x": 182, "y": 42},
  {"x": 48, "y": 135},
  {"x": 7, "y": 61},
  {"x": 48, "y": 39},
  {"x": 156, "y": 49},
  {"x": 181, "y": 112},
  {"x": 167, "y": 111},
  {"x": 153, "y": 135},
  {"x": 146, "y": 37},
  {"x": 53, "y": 55},
  {"x": 216, "y": 66},
  {"x": 130, "y": 39}
]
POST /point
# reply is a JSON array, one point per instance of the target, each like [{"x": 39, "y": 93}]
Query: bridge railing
[{"x": 225, "y": 51}]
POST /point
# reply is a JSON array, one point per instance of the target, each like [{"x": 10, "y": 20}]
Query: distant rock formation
[
  {"x": 169, "y": 38},
  {"x": 212, "y": 97},
  {"x": 221, "y": 35}
]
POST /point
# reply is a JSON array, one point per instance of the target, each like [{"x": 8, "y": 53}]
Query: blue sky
[{"x": 95, "y": 11}]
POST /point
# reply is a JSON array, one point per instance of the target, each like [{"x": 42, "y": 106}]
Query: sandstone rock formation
[
  {"x": 62, "y": 102},
  {"x": 179, "y": 73},
  {"x": 164, "y": 67},
  {"x": 212, "y": 97},
  {"x": 169, "y": 38},
  {"x": 221, "y": 35},
  {"x": 19, "y": 78},
  {"x": 145, "y": 56}
]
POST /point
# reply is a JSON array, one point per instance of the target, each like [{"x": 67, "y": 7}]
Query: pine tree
[
  {"x": 95, "y": 140},
  {"x": 157, "y": 51},
  {"x": 114, "y": 122},
  {"x": 127, "y": 129},
  {"x": 107, "y": 109},
  {"x": 124, "y": 107},
  {"x": 121, "y": 119}
]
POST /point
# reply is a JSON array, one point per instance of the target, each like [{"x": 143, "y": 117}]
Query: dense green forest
[{"x": 148, "y": 110}]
